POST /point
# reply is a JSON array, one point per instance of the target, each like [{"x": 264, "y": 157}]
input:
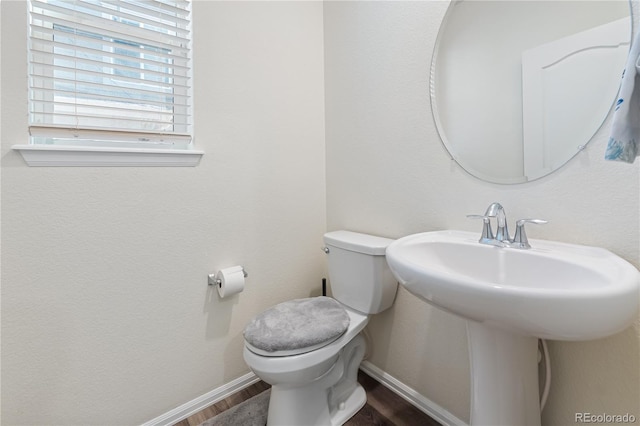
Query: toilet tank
[{"x": 358, "y": 272}]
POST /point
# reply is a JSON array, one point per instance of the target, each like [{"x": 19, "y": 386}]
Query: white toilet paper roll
[{"x": 231, "y": 281}]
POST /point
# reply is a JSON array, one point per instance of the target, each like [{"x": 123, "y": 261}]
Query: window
[{"x": 110, "y": 74}]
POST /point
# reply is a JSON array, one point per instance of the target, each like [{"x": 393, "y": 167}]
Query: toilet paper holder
[{"x": 214, "y": 280}]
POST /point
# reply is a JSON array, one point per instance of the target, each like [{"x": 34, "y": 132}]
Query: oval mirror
[{"x": 519, "y": 87}]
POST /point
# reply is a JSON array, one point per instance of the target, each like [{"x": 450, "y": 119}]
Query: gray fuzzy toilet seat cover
[{"x": 297, "y": 324}]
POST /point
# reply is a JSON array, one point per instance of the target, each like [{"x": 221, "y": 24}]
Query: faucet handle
[
  {"x": 487, "y": 232},
  {"x": 520, "y": 239}
]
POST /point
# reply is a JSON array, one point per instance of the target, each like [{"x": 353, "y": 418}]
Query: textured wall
[
  {"x": 388, "y": 174},
  {"x": 106, "y": 313}
]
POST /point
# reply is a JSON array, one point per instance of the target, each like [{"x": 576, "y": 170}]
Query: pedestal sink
[{"x": 512, "y": 297}]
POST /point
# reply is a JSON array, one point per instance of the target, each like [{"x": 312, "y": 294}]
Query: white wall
[
  {"x": 388, "y": 173},
  {"x": 106, "y": 313}
]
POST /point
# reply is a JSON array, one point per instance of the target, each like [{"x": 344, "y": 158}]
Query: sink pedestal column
[{"x": 504, "y": 377}]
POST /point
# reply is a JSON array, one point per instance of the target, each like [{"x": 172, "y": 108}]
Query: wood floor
[{"x": 383, "y": 408}]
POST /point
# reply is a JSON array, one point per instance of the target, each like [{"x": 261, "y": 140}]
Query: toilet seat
[
  {"x": 289, "y": 352},
  {"x": 296, "y": 327},
  {"x": 295, "y": 363}
]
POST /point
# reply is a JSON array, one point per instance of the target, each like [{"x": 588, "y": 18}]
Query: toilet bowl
[{"x": 309, "y": 350}]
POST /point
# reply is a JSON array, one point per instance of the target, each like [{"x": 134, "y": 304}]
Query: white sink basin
[
  {"x": 511, "y": 297},
  {"x": 553, "y": 290}
]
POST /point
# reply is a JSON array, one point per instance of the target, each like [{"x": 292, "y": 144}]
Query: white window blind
[{"x": 110, "y": 73}]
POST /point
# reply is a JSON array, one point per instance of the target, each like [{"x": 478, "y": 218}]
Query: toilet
[{"x": 309, "y": 350}]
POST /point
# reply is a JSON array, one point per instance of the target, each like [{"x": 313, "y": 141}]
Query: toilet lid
[{"x": 296, "y": 326}]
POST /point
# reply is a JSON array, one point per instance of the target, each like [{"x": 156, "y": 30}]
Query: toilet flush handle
[{"x": 325, "y": 249}]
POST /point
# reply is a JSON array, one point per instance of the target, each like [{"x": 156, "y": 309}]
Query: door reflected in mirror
[{"x": 519, "y": 87}]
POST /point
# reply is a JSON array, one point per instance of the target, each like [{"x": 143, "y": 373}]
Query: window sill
[{"x": 73, "y": 156}]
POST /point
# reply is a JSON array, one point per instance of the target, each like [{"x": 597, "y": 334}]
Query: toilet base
[
  {"x": 352, "y": 405},
  {"x": 281, "y": 413},
  {"x": 330, "y": 400}
]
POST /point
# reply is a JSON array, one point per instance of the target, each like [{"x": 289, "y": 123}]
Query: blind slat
[
  {"x": 142, "y": 92},
  {"x": 96, "y": 123},
  {"x": 110, "y": 70},
  {"x": 40, "y": 59},
  {"x": 46, "y": 71},
  {"x": 47, "y": 100},
  {"x": 179, "y": 7},
  {"x": 102, "y": 133},
  {"x": 107, "y": 110},
  {"x": 94, "y": 133},
  {"x": 113, "y": 12},
  {"x": 143, "y": 37},
  {"x": 156, "y": 119},
  {"x": 153, "y": 18},
  {"x": 105, "y": 137},
  {"x": 98, "y": 53},
  {"x": 116, "y": 54},
  {"x": 65, "y": 37},
  {"x": 150, "y": 8}
]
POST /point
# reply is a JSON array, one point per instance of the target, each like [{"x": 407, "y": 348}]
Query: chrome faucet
[
  {"x": 501, "y": 237},
  {"x": 496, "y": 210}
]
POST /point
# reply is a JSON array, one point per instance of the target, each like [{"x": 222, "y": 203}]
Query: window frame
[{"x": 117, "y": 148}]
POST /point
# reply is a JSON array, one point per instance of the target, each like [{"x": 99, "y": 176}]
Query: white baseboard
[
  {"x": 202, "y": 402},
  {"x": 424, "y": 404}
]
